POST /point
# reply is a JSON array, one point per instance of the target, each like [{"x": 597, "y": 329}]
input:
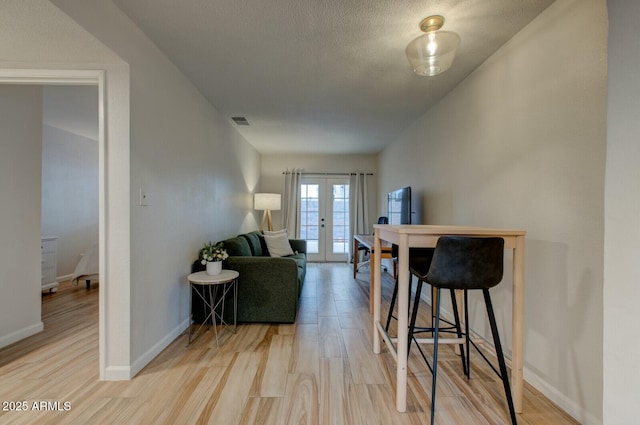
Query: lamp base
[{"x": 266, "y": 216}]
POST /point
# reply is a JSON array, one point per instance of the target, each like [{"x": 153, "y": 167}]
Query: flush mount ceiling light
[{"x": 432, "y": 53}]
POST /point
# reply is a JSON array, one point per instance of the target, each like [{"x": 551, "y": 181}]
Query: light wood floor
[{"x": 319, "y": 371}]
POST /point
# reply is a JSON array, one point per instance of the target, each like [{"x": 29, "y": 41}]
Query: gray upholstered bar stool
[
  {"x": 419, "y": 263},
  {"x": 467, "y": 263}
]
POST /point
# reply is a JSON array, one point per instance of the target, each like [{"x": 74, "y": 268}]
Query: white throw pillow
[
  {"x": 275, "y": 232},
  {"x": 278, "y": 244}
]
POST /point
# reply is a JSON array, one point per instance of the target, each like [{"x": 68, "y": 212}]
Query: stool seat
[{"x": 467, "y": 263}]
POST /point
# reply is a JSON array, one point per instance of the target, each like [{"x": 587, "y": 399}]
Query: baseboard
[
  {"x": 21, "y": 334},
  {"x": 64, "y": 278},
  {"x": 151, "y": 353},
  {"x": 561, "y": 400},
  {"x": 117, "y": 373},
  {"x": 549, "y": 391}
]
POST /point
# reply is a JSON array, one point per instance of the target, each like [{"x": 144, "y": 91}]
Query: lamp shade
[
  {"x": 432, "y": 53},
  {"x": 266, "y": 201}
]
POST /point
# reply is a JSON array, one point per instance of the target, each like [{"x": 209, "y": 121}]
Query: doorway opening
[{"x": 87, "y": 78}]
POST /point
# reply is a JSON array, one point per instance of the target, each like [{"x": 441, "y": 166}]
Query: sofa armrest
[{"x": 298, "y": 245}]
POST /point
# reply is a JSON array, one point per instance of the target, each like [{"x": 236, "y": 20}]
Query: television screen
[{"x": 399, "y": 206}]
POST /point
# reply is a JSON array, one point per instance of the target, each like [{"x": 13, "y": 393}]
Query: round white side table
[{"x": 206, "y": 286}]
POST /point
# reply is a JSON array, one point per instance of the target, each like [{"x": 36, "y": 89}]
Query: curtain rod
[{"x": 329, "y": 174}]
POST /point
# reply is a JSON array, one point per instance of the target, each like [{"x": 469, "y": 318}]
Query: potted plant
[{"x": 212, "y": 256}]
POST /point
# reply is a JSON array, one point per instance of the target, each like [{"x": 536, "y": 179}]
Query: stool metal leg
[
  {"x": 392, "y": 305},
  {"x": 394, "y": 297},
  {"x": 414, "y": 313},
  {"x": 435, "y": 358},
  {"x": 466, "y": 332},
  {"x": 500, "y": 355}
]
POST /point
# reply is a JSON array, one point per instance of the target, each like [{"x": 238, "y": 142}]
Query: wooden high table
[{"x": 406, "y": 236}]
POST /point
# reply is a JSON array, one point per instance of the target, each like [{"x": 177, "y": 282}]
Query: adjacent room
[{"x": 319, "y": 212}]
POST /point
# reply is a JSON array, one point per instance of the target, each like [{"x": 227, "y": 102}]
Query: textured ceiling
[{"x": 321, "y": 76}]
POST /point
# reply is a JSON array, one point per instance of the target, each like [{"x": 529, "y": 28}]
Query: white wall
[
  {"x": 20, "y": 147},
  {"x": 73, "y": 109},
  {"x": 70, "y": 171},
  {"x": 622, "y": 218},
  {"x": 162, "y": 135},
  {"x": 521, "y": 144},
  {"x": 273, "y": 165},
  {"x": 197, "y": 171}
]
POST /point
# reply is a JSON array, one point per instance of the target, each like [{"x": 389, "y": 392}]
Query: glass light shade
[
  {"x": 432, "y": 53},
  {"x": 266, "y": 201}
]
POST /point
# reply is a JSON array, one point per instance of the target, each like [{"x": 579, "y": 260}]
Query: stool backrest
[{"x": 461, "y": 262}]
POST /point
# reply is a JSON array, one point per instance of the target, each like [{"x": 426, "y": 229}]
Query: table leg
[
  {"x": 373, "y": 269},
  {"x": 374, "y": 294},
  {"x": 203, "y": 297},
  {"x": 212, "y": 299},
  {"x": 517, "y": 349},
  {"x": 403, "y": 323},
  {"x": 356, "y": 245},
  {"x": 235, "y": 305},
  {"x": 190, "y": 310}
]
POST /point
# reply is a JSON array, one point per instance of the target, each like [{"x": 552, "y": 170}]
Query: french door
[{"x": 324, "y": 218}]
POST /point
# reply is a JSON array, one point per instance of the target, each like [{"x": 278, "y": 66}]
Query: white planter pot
[{"x": 214, "y": 267}]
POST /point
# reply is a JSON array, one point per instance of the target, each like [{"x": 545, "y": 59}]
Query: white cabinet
[{"x": 49, "y": 264}]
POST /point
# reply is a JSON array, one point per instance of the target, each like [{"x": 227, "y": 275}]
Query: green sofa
[{"x": 268, "y": 287}]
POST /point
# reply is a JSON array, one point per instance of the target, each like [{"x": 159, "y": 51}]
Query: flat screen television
[{"x": 399, "y": 206}]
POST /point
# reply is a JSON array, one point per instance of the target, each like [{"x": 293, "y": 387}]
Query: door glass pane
[
  {"x": 340, "y": 215},
  {"x": 309, "y": 216}
]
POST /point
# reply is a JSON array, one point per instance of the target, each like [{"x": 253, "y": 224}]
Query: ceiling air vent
[{"x": 240, "y": 120}]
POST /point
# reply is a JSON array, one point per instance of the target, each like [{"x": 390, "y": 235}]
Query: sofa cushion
[
  {"x": 237, "y": 246},
  {"x": 253, "y": 238},
  {"x": 300, "y": 259},
  {"x": 263, "y": 245},
  {"x": 278, "y": 245}
]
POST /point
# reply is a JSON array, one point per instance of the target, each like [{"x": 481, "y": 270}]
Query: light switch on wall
[{"x": 144, "y": 200}]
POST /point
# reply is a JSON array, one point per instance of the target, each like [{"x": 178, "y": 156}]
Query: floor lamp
[{"x": 266, "y": 202}]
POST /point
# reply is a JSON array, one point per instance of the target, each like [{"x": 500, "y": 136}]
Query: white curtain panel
[
  {"x": 291, "y": 202},
  {"x": 358, "y": 206}
]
